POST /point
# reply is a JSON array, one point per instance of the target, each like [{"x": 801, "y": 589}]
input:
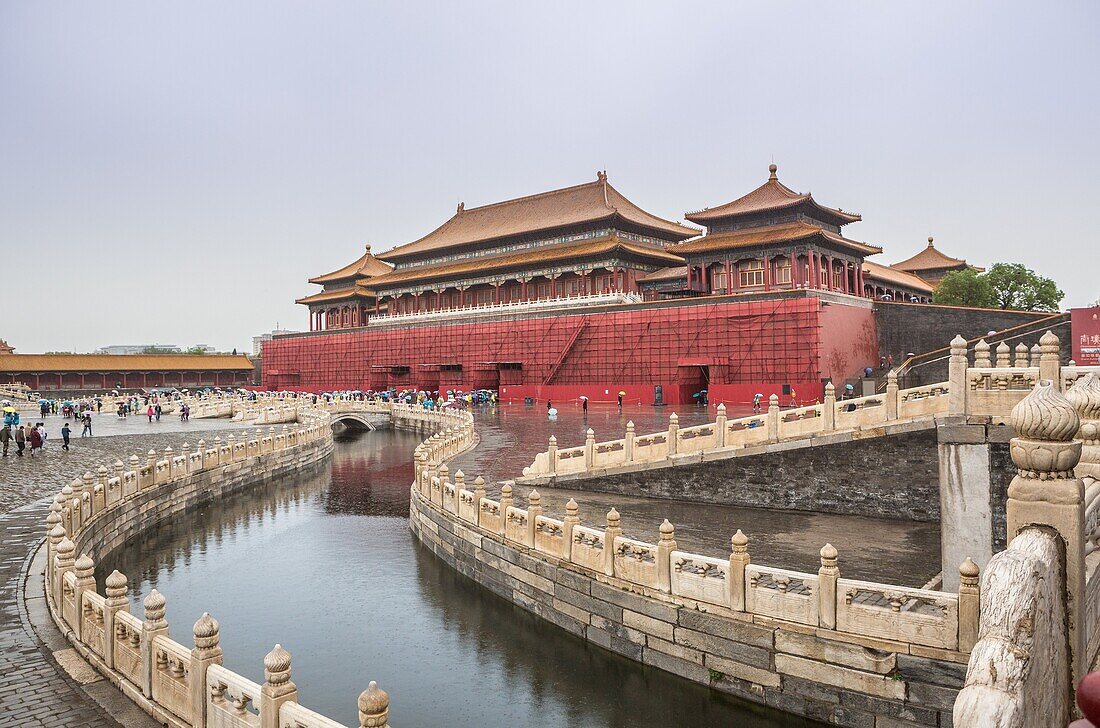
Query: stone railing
[
  {"x": 1040, "y": 625},
  {"x": 984, "y": 389},
  {"x": 177, "y": 683},
  {"x": 591, "y": 299}
]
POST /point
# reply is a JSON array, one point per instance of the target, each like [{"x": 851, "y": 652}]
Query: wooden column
[
  {"x": 794, "y": 270},
  {"x": 729, "y": 277}
]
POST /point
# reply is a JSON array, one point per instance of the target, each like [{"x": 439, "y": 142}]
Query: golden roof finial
[
  {"x": 772, "y": 169},
  {"x": 929, "y": 241}
]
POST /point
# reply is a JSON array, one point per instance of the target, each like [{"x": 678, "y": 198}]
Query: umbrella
[
  {"x": 622, "y": 394},
  {"x": 582, "y": 397},
  {"x": 9, "y": 409},
  {"x": 849, "y": 387}
]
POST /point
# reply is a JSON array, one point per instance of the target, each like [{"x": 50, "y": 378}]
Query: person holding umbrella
[
  {"x": 619, "y": 399},
  {"x": 584, "y": 405}
]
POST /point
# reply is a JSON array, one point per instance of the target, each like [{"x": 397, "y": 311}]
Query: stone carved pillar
[
  {"x": 673, "y": 432},
  {"x": 505, "y": 504},
  {"x": 1045, "y": 492},
  {"x": 154, "y": 625},
  {"x": 828, "y": 408},
  {"x": 572, "y": 518},
  {"x": 116, "y": 601},
  {"x": 969, "y": 605},
  {"x": 739, "y": 559},
  {"x": 773, "y": 418},
  {"x": 442, "y": 472},
  {"x": 460, "y": 483},
  {"x": 892, "y": 395},
  {"x": 611, "y": 532},
  {"x": 57, "y": 535},
  {"x": 956, "y": 376},
  {"x": 1036, "y": 352},
  {"x": 534, "y": 510},
  {"x": 981, "y": 355},
  {"x": 628, "y": 442},
  {"x": 589, "y": 448},
  {"x": 1003, "y": 356},
  {"x": 374, "y": 707},
  {"x": 277, "y": 688},
  {"x": 206, "y": 652},
  {"x": 1049, "y": 364},
  {"x": 827, "y": 577},
  {"x": 1084, "y": 395},
  {"x": 63, "y": 564},
  {"x": 479, "y": 494},
  {"x": 720, "y": 426},
  {"x": 665, "y": 546},
  {"x": 1021, "y": 356},
  {"x": 85, "y": 582}
]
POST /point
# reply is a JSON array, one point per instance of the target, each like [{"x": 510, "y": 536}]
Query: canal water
[{"x": 326, "y": 566}]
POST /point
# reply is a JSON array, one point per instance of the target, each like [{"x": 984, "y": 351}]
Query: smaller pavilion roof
[
  {"x": 785, "y": 233},
  {"x": 584, "y": 203},
  {"x": 930, "y": 259},
  {"x": 886, "y": 274},
  {"x": 772, "y": 195},
  {"x": 340, "y": 294},
  {"x": 365, "y": 267},
  {"x": 513, "y": 261},
  {"x": 665, "y": 274}
]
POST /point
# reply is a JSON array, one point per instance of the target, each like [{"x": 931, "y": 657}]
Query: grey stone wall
[
  {"x": 113, "y": 527},
  {"x": 802, "y": 670},
  {"x": 891, "y": 476}
]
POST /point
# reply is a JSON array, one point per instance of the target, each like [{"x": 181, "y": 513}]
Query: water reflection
[{"x": 326, "y": 565}]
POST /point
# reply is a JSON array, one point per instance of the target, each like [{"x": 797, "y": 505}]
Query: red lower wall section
[{"x": 731, "y": 349}]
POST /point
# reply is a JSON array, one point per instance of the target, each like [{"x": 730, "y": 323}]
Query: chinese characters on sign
[{"x": 1085, "y": 324}]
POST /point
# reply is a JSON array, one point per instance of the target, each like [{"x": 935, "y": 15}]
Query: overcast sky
[{"x": 175, "y": 175}]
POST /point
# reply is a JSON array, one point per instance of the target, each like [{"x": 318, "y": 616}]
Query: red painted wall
[
  {"x": 849, "y": 342},
  {"x": 731, "y": 348}
]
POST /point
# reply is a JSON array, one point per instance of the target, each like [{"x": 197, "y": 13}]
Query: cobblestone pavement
[{"x": 35, "y": 689}]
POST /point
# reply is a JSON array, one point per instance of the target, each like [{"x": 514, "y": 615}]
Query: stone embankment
[{"x": 185, "y": 684}]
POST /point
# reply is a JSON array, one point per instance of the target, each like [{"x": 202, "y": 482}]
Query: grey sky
[{"x": 177, "y": 174}]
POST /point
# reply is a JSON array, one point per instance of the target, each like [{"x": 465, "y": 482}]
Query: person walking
[
  {"x": 756, "y": 402},
  {"x": 157, "y": 410},
  {"x": 149, "y": 413},
  {"x": 36, "y": 441},
  {"x": 548, "y": 406},
  {"x": 20, "y": 441},
  {"x": 66, "y": 433},
  {"x": 619, "y": 399},
  {"x": 5, "y": 438},
  {"x": 87, "y": 420}
]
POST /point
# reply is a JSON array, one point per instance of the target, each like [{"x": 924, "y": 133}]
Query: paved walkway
[{"x": 43, "y": 681}]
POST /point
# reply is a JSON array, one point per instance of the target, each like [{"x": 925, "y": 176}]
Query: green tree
[
  {"x": 1018, "y": 287},
  {"x": 964, "y": 288},
  {"x": 195, "y": 350}
]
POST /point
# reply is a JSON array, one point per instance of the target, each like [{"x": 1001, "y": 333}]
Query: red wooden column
[
  {"x": 829, "y": 277},
  {"x": 794, "y": 270},
  {"x": 496, "y": 293},
  {"x": 689, "y": 276},
  {"x": 767, "y": 273},
  {"x": 729, "y": 277}
]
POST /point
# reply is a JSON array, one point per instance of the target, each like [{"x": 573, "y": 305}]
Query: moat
[{"x": 326, "y": 565}]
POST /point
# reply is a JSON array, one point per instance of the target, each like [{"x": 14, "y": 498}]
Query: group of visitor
[{"x": 30, "y": 436}]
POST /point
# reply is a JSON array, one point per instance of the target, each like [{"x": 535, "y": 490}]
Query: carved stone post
[
  {"x": 442, "y": 472},
  {"x": 739, "y": 559},
  {"x": 153, "y": 625},
  {"x": 1084, "y": 395},
  {"x": 202, "y": 454},
  {"x": 773, "y": 418},
  {"x": 665, "y": 546},
  {"x": 63, "y": 564},
  {"x": 1050, "y": 366},
  {"x": 720, "y": 426},
  {"x": 169, "y": 456},
  {"x": 589, "y": 448},
  {"x": 57, "y": 535},
  {"x": 892, "y": 395},
  {"x": 505, "y": 504},
  {"x": 185, "y": 450},
  {"x": 1036, "y": 353},
  {"x": 151, "y": 461},
  {"x": 609, "y": 535},
  {"x": 969, "y": 605},
  {"x": 1045, "y": 492},
  {"x": 99, "y": 491},
  {"x": 218, "y": 448},
  {"x": 956, "y": 377},
  {"x": 374, "y": 707},
  {"x": 460, "y": 483},
  {"x": 572, "y": 518},
  {"x": 827, "y": 577},
  {"x": 534, "y": 510},
  {"x": 673, "y": 432},
  {"x": 828, "y": 408},
  {"x": 277, "y": 688},
  {"x": 1021, "y": 356},
  {"x": 116, "y": 601},
  {"x": 85, "y": 582},
  {"x": 206, "y": 652},
  {"x": 628, "y": 442},
  {"x": 1003, "y": 356},
  {"x": 479, "y": 493},
  {"x": 981, "y": 355}
]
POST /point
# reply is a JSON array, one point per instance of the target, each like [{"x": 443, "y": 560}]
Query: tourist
[
  {"x": 548, "y": 406},
  {"x": 756, "y": 402},
  {"x": 42, "y": 431},
  {"x": 890, "y": 360},
  {"x": 66, "y": 433},
  {"x": 5, "y": 438},
  {"x": 584, "y": 405},
  {"x": 157, "y": 410},
  {"x": 794, "y": 398},
  {"x": 86, "y": 418},
  {"x": 619, "y": 399},
  {"x": 149, "y": 413},
  {"x": 36, "y": 441},
  {"x": 20, "y": 441}
]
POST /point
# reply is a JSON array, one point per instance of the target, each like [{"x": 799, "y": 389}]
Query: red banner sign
[{"x": 1085, "y": 325}]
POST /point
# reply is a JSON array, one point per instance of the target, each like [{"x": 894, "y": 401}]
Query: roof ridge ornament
[
  {"x": 930, "y": 242},
  {"x": 772, "y": 169},
  {"x": 461, "y": 208}
]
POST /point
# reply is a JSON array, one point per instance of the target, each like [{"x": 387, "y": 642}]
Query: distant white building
[
  {"x": 138, "y": 348},
  {"x": 258, "y": 341}
]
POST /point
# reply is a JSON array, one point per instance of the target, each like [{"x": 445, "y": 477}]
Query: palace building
[{"x": 579, "y": 289}]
